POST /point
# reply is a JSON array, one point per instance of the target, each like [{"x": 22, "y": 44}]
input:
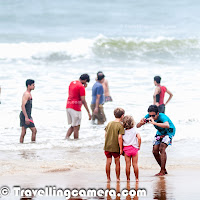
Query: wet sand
[
  {"x": 178, "y": 184},
  {"x": 63, "y": 169}
]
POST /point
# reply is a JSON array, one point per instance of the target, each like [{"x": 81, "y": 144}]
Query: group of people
[
  {"x": 76, "y": 98},
  {"x": 121, "y": 136}
]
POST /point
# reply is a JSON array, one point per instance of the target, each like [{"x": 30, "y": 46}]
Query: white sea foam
[
  {"x": 131, "y": 87},
  {"x": 101, "y": 46},
  {"x": 74, "y": 48}
]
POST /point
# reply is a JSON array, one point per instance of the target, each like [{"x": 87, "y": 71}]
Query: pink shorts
[
  {"x": 110, "y": 154},
  {"x": 130, "y": 151}
]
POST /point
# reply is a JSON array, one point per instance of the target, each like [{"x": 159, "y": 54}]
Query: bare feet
[
  {"x": 160, "y": 174},
  {"x": 137, "y": 180},
  {"x": 118, "y": 179},
  {"x": 108, "y": 180}
]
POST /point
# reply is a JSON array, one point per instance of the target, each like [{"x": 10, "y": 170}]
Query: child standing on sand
[
  {"x": 113, "y": 142},
  {"x": 131, "y": 145}
]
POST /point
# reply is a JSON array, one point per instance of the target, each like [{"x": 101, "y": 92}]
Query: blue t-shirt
[
  {"x": 97, "y": 89},
  {"x": 162, "y": 118}
]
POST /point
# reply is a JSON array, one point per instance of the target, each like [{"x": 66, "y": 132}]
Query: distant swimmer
[
  {"x": 74, "y": 103},
  {"x": 159, "y": 94},
  {"x": 26, "y": 121},
  {"x": 106, "y": 88}
]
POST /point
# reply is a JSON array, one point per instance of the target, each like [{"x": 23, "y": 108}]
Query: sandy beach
[
  {"x": 32, "y": 173},
  {"x": 177, "y": 185},
  {"x": 53, "y": 43}
]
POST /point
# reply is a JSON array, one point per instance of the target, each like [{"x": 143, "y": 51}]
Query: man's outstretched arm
[{"x": 141, "y": 123}]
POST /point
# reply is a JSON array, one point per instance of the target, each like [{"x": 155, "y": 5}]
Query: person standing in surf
[
  {"x": 26, "y": 121},
  {"x": 75, "y": 101},
  {"x": 105, "y": 88},
  {"x": 159, "y": 94},
  {"x": 98, "y": 100}
]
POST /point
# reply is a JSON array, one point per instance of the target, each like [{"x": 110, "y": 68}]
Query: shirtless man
[
  {"x": 159, "y": 94},
  {"x": 26, "y": 121},
  {"x": 105, "y": 88}
]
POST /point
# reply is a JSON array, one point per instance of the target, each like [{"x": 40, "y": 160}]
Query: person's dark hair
[
  {"x": 29, "y": 82},
  {"x": 85, "y": 77},
  {"x": 157, "y": 79},
  {"x": 128, "y": 122},
  {"x": 153, "y": 108},
  {"x": 100, "y": 72},
  {"x": 118, "y": 112},
  {"x": 100, "y": 76}
]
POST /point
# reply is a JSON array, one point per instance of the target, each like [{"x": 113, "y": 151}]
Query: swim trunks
[
  {"x": 161, "y": 108},
  {"x": 22, "y": 121},
  {"x": 108, "y": 98},
  {"x": 162, "y": 139},
  {"x": 28, "y": 108},
  {"x": 110, "y": 154},
  {"x": 130, "y": 151}
]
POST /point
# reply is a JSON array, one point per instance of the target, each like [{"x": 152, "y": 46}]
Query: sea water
[{"x": 54, "y": 42}]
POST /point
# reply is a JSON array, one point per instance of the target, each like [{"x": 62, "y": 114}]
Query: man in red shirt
[
  {"x": 75, "y": 100},
  {"x": 159, "y": 94}
]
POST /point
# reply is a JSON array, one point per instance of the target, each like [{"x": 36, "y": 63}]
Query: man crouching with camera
[{"x": 163, "y": 138}]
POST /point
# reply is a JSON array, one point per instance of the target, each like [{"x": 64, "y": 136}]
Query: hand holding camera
[{"x": 146, "y": 120}]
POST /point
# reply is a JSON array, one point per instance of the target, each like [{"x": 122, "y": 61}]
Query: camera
[{"x": 146, "y": 120}]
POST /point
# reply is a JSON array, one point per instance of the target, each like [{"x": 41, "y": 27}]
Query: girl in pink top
[{"x": 131, "y": 145}]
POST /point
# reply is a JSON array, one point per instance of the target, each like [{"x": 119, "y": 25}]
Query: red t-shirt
[{"x": 76, "y": 90}]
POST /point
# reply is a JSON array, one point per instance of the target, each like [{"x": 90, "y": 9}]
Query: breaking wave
[{"x": 103, "y": 47}]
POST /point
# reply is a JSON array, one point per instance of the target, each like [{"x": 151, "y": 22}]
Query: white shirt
[{"x": 129, "y": 138}]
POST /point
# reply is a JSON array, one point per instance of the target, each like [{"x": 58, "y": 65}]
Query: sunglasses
[{"x": 152, "y": 115}]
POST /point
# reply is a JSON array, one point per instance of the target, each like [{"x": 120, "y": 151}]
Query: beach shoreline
[
  {"x": 53, "y": 43},
  {"x": 178, "y": 184}
]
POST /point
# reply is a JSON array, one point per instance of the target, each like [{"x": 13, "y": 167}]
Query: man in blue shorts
[{"x": 163, "y": 138}]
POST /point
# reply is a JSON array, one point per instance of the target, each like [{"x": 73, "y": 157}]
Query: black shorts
[
  {"x": 161, "y": 108},
  {"x": 22, "y": 121}
]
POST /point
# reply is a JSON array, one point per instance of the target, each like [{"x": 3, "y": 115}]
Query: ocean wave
[
  {"x": 51, "y": 144},
  {"x": 104, "y": 47},
  {"x": 147, "y": 48}
]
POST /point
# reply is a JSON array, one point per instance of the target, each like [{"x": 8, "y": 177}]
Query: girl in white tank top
[{"x": 131, "y": 145}]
